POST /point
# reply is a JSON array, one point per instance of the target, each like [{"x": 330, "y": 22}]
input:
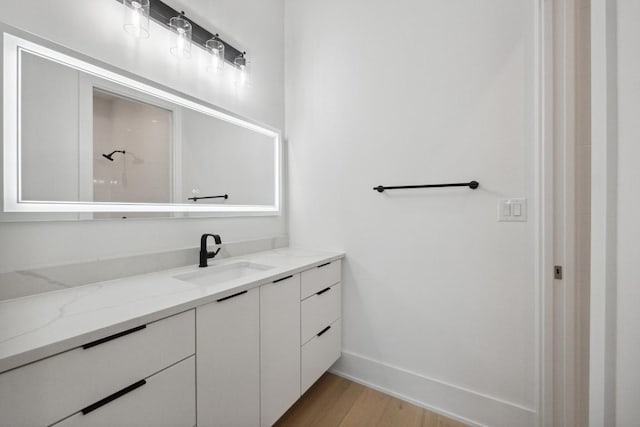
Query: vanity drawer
[
  {"x": 319, "y": 310},
  {"x": 48, "y": 390},
  {"x": 318, "y": 278},
  {"x": 167, "y": 398},
  {"x": 320, "y": 353}
]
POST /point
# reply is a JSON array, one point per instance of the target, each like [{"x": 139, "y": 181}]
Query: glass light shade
[
  {"x": 216, "y": 49},
  {"x": 241, "y": 61},
  {"x": 242, "y": 65},
  {"x": 136, "y": 17},
  {"x": 181, "y": 37}
]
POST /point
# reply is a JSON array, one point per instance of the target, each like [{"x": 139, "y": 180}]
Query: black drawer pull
[
  {"x": 113, "y": 397},
  {"x": 323, "y": 291},
  {"x": 284, "y": 278},
  {"x": 323, "y": 331},
  {"x": 325, "y": 264},
  {"x": 232, "y": 296},
  {"x": 113, "y": 337}
]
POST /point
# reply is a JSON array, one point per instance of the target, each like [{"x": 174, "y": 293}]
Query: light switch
[
  {"x": 512, "y": 210},
  {"x": 516, "y": 209},
  {"x": 506, "y": 209}
]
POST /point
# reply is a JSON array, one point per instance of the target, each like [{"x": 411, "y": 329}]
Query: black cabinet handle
[
  {"x": 232, "y": 296},
  {"x": 113, "y": 337},
  {"x": 323, "y": 291},
  {"x": 323, "y": 331},
  {"x": 284, "y": 278},
  {"x": 323, "y": 265},
  {"x": 113, "y": 397}
]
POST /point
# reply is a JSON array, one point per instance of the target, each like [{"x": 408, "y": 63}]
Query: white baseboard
[{"x": 458, "y": 403}]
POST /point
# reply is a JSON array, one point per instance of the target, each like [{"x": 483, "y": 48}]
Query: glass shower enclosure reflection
[{"x": 131, "y": 150}]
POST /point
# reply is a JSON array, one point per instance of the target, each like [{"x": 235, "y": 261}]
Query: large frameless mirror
[{"x": 81, "y": 138}]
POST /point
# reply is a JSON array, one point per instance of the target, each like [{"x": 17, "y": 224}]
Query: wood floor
[{"x": 334, "y": 401}]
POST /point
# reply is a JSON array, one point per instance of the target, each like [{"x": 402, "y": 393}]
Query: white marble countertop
[{"x": 38, "y": 326}]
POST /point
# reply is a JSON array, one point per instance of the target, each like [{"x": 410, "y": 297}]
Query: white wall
[
  {"x": 94, "y": 28},
  {"x": 439, "y": 297},
  {"x": 615, "y": 295},
  {"x": 628, "y": 213}
]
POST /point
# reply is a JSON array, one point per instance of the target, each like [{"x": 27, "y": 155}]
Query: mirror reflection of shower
[
  {"x": 110, "y": 155},
  {"x": 136, "y": 160},
  {"x": 132, "y": 142},
  {"x": 123, "y": 180}
]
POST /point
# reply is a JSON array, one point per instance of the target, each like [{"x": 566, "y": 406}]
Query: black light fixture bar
[
  {"x": 472, "y": 185},
  {"x": 162, "y": 13}
]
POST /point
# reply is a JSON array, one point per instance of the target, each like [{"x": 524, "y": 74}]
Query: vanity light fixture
[
  {"x": 136, "y": 17},
  {"x": 185, "y": 32},
  {"x": 181, "y": 38},
  {"x": 216, "y": 49}
]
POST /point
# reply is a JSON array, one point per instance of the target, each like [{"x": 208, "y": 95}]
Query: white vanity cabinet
[
  {"x": 101, "y": 375},
  {"x": 279, "y": 347},
  {"x": 320, "y": 312},
  {"x": 240, "y": 360},
  {"x": 228, "y": 361},
  {"x": 162, "y": 400},
  {"x": 259, "y": 350}
]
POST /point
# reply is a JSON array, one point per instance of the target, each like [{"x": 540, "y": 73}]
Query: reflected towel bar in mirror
[
  {"x": 472, "y": 185},
  {"x": 195, "y": 199}
]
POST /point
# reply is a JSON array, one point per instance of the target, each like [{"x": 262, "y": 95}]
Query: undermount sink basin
[{"x": 215, "y": 274}]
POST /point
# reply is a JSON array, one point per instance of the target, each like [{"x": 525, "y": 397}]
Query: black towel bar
[
  {"x": 195, "y": 199},
  {"x": 472, "y": 185}
]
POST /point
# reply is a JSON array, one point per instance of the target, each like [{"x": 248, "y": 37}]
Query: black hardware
[
  {"x": 110, "y": 155},
  {"x": 284, "y": 278},
  {"x": 323, "y": 331},
  {"x": 113, "y": 337},
  {"x": 322, "y": 265},
  {"x": 195, "y": 199},
  {"x": 162, "y": 13},
  {"x": 232, "y": 296},
  {"x": 113, "y": 397},
  {"x": 472, "y": 185},
  {"x": 204, "y": 254},
  {"x": 323, "y": 291}
]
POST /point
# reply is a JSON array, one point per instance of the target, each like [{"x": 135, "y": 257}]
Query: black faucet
[{"x": 204, "y": 255}]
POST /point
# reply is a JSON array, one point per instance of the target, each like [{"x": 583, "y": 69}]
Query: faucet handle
[{"x": 204, "y": 254}]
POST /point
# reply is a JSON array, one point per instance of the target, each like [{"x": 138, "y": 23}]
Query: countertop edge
[{"x": 33, "y": 355}]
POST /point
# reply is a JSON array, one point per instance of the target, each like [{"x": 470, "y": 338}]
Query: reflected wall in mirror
[{"x": 81, "y": 138}]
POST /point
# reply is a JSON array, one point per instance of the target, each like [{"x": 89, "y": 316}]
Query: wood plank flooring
[{"x": 334, "y": 401}]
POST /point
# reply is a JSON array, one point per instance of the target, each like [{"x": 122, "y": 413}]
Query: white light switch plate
[{"x": 510, "y": 210}]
